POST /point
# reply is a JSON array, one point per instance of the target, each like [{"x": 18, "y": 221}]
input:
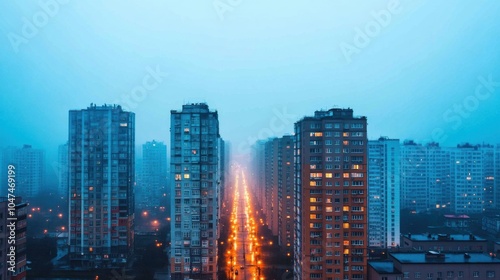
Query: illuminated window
[
  {"x": 186, "y": 176},
  {"x": 123, "y": 124},
  {"x": 328, "y": 175},
  {"x": 329, "y": 209},
  {"x": 356, "y": 166},
  {"x": 312, "y": 166},
  {"x": 345, "y": 134},
  {"x": 91, "y": 249},
  {"x": 316, "y": 175},
  {"x": 178, "y": 177},
  {"x": 346, "y": 225},
  {"x": 345, "y": 208},
  {"x": 91, "y": 208},
  {"x": 316, "y": 134},
  {"x": 346, "y": 175},
  {"x": 345, "y": 142},
  {"x": 186, "y": 130},
  {"x": 346, "y": 242},
  {"x": 346, "y": 251},
  {"x": 194, "y": 152},
  {"x": 91, "y": 188},
  {"x": 312, "y": 183}
]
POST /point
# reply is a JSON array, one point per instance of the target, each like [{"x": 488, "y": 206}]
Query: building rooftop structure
[
  {"x": 443, "y": 237},
  {"x": 448, "y": 258}
]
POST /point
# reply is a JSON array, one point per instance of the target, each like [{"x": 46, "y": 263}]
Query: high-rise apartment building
[
  {"x": 285, "y": 194},
  {"x": 101, "y": 180},
  {"x": 30, "y": 169},
  {"x": 414, "y": 189},
  {"x": 467, "y": 179},
  {"x": 384, "y": 192},
  {"x": 62, "y": 170},
  {"x": 259, "y": 174},
  {"x": 461, "y": 179},
  {"x": 271, "y": 186},
  {"x": 153, "y": 174},
  {"x": 13, "y": 225},
  {"x": 331, "y": 228},
  {"x": 195, "y": 188}
]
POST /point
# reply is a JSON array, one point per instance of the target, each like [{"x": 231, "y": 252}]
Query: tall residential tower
[
  {"x": 331, "y": 196},
  {"x": 101, "y": 179},
  {"x": 384, "y": 192},
  {"x": 195, "y": 187}
]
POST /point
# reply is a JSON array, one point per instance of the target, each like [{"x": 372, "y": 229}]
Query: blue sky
[{"x": 424, "y": 71}]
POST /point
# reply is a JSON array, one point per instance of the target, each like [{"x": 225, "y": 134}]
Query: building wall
[
  {"x": 195, "y": 180},
  {"x": 330, "y": 196},
  {"x": 101, "y": 179}
]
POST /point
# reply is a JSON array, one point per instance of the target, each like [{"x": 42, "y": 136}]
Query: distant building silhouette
[
  {"x": 30, "y": 169},
  {"x": 153, "y": 184}
]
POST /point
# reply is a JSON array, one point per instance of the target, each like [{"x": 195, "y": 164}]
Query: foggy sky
[{"x": 424, "y": 71}]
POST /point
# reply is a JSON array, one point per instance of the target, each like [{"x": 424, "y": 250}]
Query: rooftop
[
  {"x": 443, "y": 237},
  {"x": 449, "y": 258},
  {"x": 456, "y": 217},
  {"x": 384, "y": 267}
]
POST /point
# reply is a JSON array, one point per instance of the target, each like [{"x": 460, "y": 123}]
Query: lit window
[
  {"x": 345, "y": 208},
  {"x": 346, "y": 225},
  {"x": 345, "y": 134},
  {"x": 186, "y": 176},
  {"x": 328, "y": 175},
  {"x": 346, "y": 175},
  {"x": 346, "y": 242}
]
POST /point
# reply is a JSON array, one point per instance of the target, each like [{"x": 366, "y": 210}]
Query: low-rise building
[
  {"x": 435, "y": 265},
  {"x": 491, "y": 224},
  {"x": 444, "y": 243}
]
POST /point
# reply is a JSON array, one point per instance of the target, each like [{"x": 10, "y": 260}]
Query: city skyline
[{"x": 217, "y": 62}]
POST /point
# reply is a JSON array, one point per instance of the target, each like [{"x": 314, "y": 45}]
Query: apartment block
[
  {"x": 331, "y": 219},
  {"x": 384, "y": 192},
  {"x": 101, "y": 178},
  {"x": 195, "y": 185}
]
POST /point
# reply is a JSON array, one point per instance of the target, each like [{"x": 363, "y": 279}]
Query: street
[{"x": 244, "y": 253}]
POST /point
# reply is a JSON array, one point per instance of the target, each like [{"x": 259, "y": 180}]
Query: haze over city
[
  {"x": 237, "y": 139},
  {"x": 250, "y": 62}
]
